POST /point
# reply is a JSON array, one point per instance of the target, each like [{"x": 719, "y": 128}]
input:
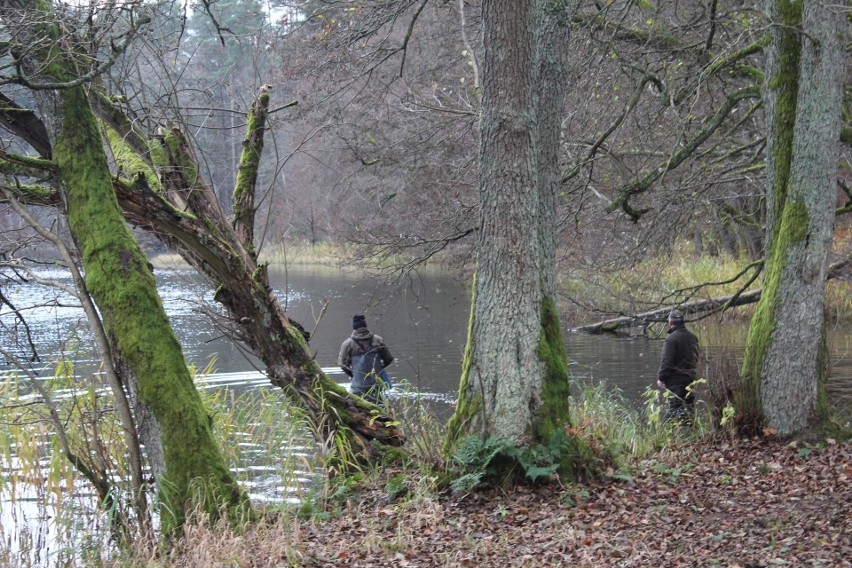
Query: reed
[
  {"x": 608, "y": 421},
  {"x": 52, "y": 514},
  {"x": 263, "y": 543},
  {"x": 294, "y": 252},
  {"x": 48, "y": 505}
]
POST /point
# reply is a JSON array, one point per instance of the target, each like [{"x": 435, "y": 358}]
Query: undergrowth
[{"x": 266, "y": 444}]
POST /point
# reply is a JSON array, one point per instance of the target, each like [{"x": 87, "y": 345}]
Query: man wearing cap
[
  {"x": 364, "y": 356},
  {"x": 678, "y": 364}
]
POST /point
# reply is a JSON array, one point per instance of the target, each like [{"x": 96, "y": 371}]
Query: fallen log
[
  {"x": 659, "y": 315},
  {"x": 840, "y": 270}
]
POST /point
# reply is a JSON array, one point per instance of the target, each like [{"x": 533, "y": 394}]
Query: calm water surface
[{"x": 424, "y": 322}]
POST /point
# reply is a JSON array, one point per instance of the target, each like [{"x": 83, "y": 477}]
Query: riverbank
[
  {"x": 589, "y": 293},
  {"x": 722, "y": 503},
  {"x": 292, "y": 253}
]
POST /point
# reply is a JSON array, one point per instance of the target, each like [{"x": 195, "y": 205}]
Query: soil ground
[{"x": 751, "y": 503}]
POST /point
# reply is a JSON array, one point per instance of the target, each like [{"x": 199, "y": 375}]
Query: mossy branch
[
  {"x": 727, "y": 62},
  {"x": 244, "y": 189},
  {"x": 40, "y": 165},
  {"x": 32, "y": 194},
  {"x": 651, "y": 37},
  {"x": 124, "y": 129}
]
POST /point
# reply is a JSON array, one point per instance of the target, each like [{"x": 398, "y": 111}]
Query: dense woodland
[{"x": 519, "y": 144}]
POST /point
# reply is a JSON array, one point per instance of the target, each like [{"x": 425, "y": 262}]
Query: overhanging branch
[
  {"x": 23, "y": 122},
  {"x": 643, "y": 184}
]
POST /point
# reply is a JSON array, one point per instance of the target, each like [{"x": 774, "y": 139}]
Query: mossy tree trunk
[
  {"x": 515, "y": 381},
  {"x": 784, "y": 362},
  {"x": 169, "y": 198},
  {"x": 121, "y": 283},
  {"x": 182, "y": 210}
]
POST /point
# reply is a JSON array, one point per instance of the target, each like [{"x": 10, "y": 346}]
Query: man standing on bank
[
  {"x": 678, "y": 364},
  {"x": 364, "y": 357}
]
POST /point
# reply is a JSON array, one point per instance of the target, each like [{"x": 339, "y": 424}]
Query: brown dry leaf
[{"x": 745, "y": 503}]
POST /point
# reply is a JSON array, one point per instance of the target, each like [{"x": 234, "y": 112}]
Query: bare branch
[
  {"x": 119, "y": 45},
  {"x": 102, "y": 344},
  {"x": 644, "y": 183}
]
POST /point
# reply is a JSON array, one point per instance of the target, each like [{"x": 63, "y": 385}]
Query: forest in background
[
  {"x": 673, "y": 136},
  {"x": 663, "y": 156}
]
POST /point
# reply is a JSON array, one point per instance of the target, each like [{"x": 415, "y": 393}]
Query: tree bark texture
[
  {"x": 118, "y": 277},
  {"x": 515, "y": 381},
  {"x": 784, "y": 362},
  {"x": 186, "y": 216}
]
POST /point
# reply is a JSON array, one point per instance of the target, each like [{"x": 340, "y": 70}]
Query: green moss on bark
[
  {"x": 793, "y": 229},
  {"x": 785, "y": 83},
  {"x": 554, "y": 416},
  {"x": 554, "y": 413},
  {"x": 124, "y": 289},
  {"x": 250, "y": 161},
  {"x": 468, "y": 406},
  {"x": 791, "y": 221},
  {"x": 175, "y": 141},
  {"x": 129, "y": 162}
]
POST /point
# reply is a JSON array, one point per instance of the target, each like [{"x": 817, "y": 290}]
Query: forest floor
[{"x": 734, "y": 503}]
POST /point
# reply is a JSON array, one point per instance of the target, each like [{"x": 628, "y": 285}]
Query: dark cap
[
  {"x": 358, "y": 321},
  {"x": 675, "y": 317}
]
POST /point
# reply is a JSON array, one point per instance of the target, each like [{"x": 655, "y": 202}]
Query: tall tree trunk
[
  {"x": 123, "y": 287},
  {"x": 784, "y": 359},
  {"x": 515, "y": 381}
]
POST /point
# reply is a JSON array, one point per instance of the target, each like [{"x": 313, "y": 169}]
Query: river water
[{"x": 424, "y": 321}]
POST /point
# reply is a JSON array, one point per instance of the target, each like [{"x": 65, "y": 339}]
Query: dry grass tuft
[{"x": 269, "y": 543}]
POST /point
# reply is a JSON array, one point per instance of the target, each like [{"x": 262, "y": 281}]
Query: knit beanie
[
  {"x": 358, "y": 321},
  {"x": 675, "y": 317}
]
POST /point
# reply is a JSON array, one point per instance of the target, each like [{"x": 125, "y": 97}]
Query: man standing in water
[
  {"x": 678, "y": 364},
  {"x": 364, "y": 357}
]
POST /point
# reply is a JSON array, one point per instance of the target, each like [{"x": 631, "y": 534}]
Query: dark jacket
[
  {"x": 351, "y": 348},
  {"x": 679, "y": 358}
]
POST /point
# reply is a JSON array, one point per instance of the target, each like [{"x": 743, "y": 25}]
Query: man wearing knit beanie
[
  {"x": 359, "y": 321},
  {"x": 678, "y": 364},
  {"x": 365, "y": 357}
]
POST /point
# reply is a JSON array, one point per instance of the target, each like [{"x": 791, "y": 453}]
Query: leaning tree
[
  {"x": 49, "y": 55},
  {"x": 57, "y": 106}
]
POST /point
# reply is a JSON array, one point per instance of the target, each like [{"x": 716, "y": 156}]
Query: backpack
[{"x": 368, "y": 370}]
